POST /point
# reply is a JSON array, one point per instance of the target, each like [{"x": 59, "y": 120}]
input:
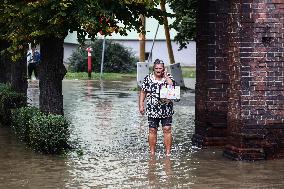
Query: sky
[{"x": 151, "y": 27}]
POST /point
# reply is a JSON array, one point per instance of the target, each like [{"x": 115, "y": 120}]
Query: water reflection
[
  {"x": 22, "y": 168},
  {"x": 33, "y": 93},
  {"x": 104, "y": 108},
  {"x": 89, "y": 90},
  {"x": 113, "y": 137},
  {"x": 102, "y": 84},
  {"x": 160, "y": 172}
]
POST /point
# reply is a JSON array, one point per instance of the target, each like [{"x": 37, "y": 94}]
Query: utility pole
[
  {"x": 103, "y": 57},
  {"x": 167, "y": 33},
  {"x": 142, "y": 37}
]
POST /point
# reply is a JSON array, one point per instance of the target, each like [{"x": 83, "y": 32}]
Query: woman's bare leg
[
  {"x": 168, "y": 139},
  {"x": 152, "y": 140}
]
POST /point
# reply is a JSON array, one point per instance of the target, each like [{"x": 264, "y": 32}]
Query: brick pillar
[
  {"x": 212, "y": 74},
  {"x": 256, "y": 75}
]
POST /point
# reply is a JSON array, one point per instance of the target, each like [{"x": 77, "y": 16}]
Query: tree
[
  {"x": 4, "y": 62},
  {"x": 167, "y": 33},
  {"x": 117, "y": 58},
  {"x": 142, "y": 39},
  {"x": 47, "y": 22},
  {"x": 185, "y": 20},
  {"x": 13, "y": 72}
]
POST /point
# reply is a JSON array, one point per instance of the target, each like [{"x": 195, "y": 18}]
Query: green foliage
[
  {"x": 49, "y": 133},
  {"x": 145, "y": 2},
  {"x": 46, "y": 133},
  {"x": 96, "y": 76},
  {"x": 185, "y": 20},
  {"x": 5, "y": 88},
  {"x": 9, "y": 100},
  {"x": 31, "y": 21},
  {"x": 188, "y": 72},
  {"x": 117, "y": 59},
  {"x": 21, "y": 121}
]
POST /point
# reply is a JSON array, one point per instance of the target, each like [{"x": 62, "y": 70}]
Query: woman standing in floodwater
[{"x": 156, "y": 109}]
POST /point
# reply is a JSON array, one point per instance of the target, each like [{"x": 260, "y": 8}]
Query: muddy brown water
[{"x": 113, "y": 137}]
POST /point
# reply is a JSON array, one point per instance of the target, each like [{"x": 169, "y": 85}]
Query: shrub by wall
[
  {"x": 9, "y": 100},
  {"x": 117, "y": 59},
  {"x": 49, "y": 133},
  {"x": 46, "y": 133},
  {"x": 21, "y": 121}
]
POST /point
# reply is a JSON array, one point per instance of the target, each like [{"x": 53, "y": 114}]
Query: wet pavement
[{"x": 113, "y": 138}]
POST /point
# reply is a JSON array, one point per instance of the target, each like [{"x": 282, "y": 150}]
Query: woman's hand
[
  {"x": 166, "y": 76},
  {"x": 142, "y": 96},
  {"x": 141, "y": 109},
  {"x": 166, "y": 73}
]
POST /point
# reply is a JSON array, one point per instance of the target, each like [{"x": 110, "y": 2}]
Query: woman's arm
[
  {"x": 169, "y": 81},
  {"x": 142, "y": 96},
  {"x": 167, "y": 77}
]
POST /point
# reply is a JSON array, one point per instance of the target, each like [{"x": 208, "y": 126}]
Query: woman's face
[{"x": 159, "y": 70}]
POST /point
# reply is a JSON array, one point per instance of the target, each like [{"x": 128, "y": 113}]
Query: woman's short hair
[{"x": 158, "y": 61}]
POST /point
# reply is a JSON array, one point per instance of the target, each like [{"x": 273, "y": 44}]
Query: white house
[{"x": 186, "y": 57}]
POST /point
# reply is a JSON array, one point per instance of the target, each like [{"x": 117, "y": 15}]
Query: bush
[
  {"x": 9, "y": 100},
  {"x": 117, "y": 59},
  {"x": 48, "y": 134},
  {"x": 21, "y": 121}
]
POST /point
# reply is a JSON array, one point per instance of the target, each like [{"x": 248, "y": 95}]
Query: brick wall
[
  {"x": 256, "y": 72},
  {"x": 240, "y": 77},
  {"x": 212, "y": 73}
]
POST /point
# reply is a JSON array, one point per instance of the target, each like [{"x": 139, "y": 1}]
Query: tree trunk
[
  {"x": 167, "y": 33},
  {"x": 142, "y": 39},
  {"x": 5, "y": 63},
  {"x": 51, "y": 74},
  {"x": 18, "y": 77}
]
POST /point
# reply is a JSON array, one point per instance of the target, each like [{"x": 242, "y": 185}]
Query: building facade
[{"x": 186, "y": 57}]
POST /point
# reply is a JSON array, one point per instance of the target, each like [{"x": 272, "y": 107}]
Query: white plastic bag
[{"x": 170, "y": 92}]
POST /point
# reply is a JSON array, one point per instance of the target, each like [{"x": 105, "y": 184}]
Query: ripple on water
[{"x": 113, "y": 137}]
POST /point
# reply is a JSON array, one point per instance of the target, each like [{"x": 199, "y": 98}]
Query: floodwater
[{"x": 113, "y": 138}]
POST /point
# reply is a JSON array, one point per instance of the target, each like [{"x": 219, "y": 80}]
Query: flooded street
[{"x": 113, "y": 138}]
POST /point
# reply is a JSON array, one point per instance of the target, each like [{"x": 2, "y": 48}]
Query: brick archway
[{"x": 240, "y": 78}]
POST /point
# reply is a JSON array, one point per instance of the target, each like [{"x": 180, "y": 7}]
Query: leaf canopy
[
  {"x": 185, "y": 20},
  {"x": 31, "y": 20}
]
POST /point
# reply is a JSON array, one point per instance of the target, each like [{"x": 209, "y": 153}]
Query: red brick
[{"x": 245, "y": 74}]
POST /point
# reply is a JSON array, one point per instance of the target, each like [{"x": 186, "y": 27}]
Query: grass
[
  {"x": 96, "y": 76},
  {"x": 187, "y": 72}
]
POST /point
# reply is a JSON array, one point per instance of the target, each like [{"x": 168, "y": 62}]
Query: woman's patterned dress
[{"x": 156, "y": 107}]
